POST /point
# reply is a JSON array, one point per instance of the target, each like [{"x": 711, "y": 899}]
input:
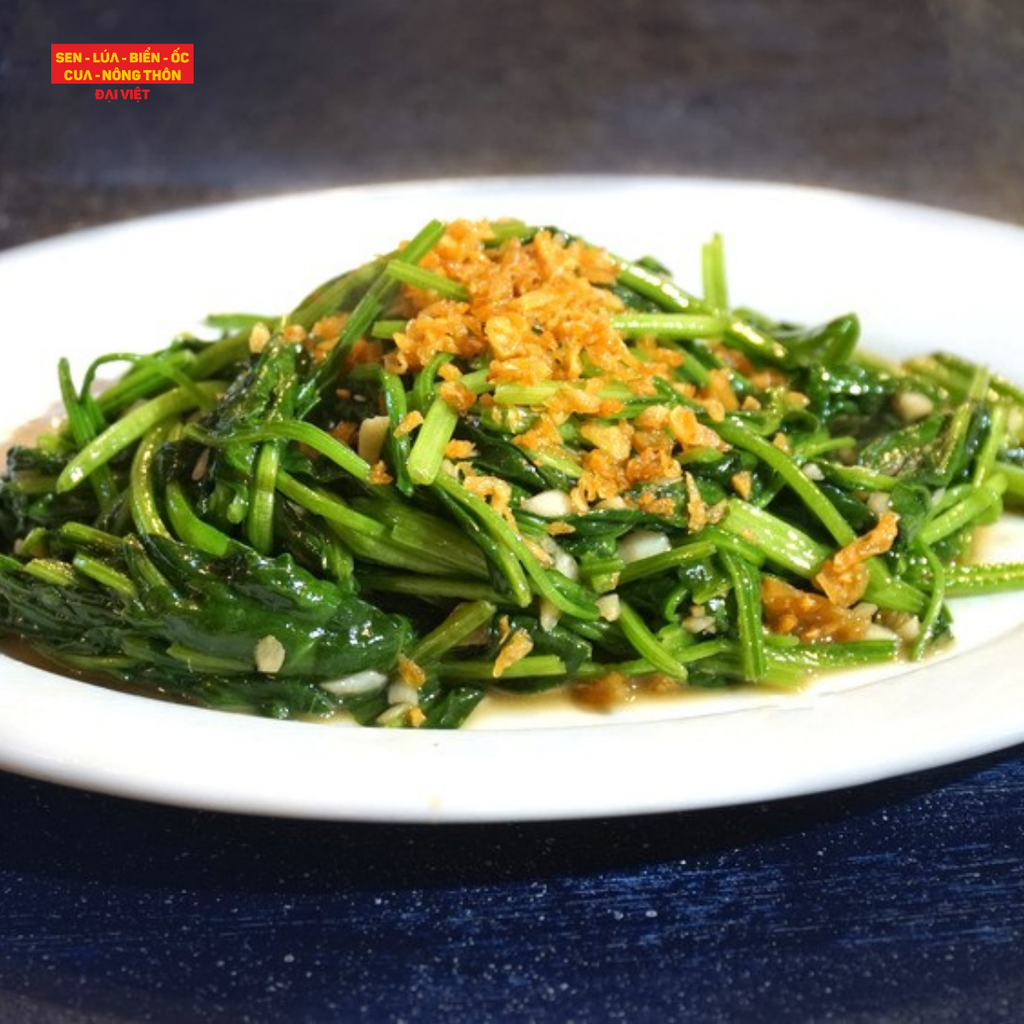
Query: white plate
[{"x": 920, "y": 278}]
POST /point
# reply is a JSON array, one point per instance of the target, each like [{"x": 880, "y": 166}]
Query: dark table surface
[{"x": 902, "y": 901}]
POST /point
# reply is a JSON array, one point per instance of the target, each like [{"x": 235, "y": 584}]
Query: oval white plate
[{"x": 921, "y": 279}]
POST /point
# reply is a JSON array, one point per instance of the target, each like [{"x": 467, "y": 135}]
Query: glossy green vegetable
[{"x": 252, "y": 524}]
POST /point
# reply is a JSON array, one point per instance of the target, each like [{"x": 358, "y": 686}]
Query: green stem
[
  {"x": 985, "y": 461},
  {"x": 931, "y": 615},
  {"x": 367, "y": 310},
  {"x": 50, "y": 570},
  {"x": 130, "y": 428},
  {"x": 583, "y": 608},
  {"x": 82, "y": 535},
  {"x": 462, "y": 623},
  {"x": 385, "y": 330},
  {"x": 290, "y": 430},
  {"x": 716, "y": 293},
  {"x": 654, "y": 565},
  {"x": 525, "y": 668},
  {"x": 154, "y": 374},
  {"x": 816, "y": 502},
  {"x": 960, "y": 515},
  {"x": 188, "y": 526},
  {"x": 746, "y": 588},
  {"x": 668, "y": 295},
  {"x": 102, "y": 573},
  {"x": 974, "y": 580},
  {"x": 144, "y": 504},
  {"x": 330, "y": 507},
  {"x": 427, "y": 452},
  {"x": 646, "y": 643},
  {"x": 684, "y": 326},
  {"x": 782, "y": 544},
  {"x": 432, "y": 588},
  {"x": 1014, "y": 476},
  {"x": 84, "y": 428},
  {"x": 259, "y": 524},
  {"x": 409, "y": 273},
  {"x": 397, "y": 405}
]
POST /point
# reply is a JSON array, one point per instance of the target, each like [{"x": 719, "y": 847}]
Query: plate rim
[
  {"x": 530, "y": 180},
  {"x": 115, "y": 779}
]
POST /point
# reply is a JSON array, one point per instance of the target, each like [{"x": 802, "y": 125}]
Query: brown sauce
[
  {"x": 18, "y": 649},
  {"x": 604, "y": 700}
]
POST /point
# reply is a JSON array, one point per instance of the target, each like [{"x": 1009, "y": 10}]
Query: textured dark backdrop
[{"x": 920, "y": 98}]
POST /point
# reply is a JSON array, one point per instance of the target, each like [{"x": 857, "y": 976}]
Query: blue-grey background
[
  {"x": 919, "y": 99},
  {"x": 902, "y": 901}
]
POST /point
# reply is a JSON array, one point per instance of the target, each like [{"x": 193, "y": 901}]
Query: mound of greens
[{"x": 309, "y": 515}]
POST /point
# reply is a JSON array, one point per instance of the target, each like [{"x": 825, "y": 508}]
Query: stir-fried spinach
[{"x": 312, "y": 515}]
